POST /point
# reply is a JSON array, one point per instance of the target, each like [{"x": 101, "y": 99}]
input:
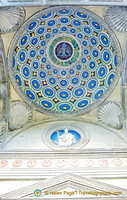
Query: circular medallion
[
  {"x": 65, "y": 136},
  {"x": 64, "y": 60},
  {"x": 63, "y": 51}
]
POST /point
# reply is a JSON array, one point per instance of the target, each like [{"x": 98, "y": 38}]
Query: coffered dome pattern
[{"x": 64, "y": 60}]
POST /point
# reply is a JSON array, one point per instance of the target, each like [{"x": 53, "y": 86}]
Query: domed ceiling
[{"x": 64, "y": 60}]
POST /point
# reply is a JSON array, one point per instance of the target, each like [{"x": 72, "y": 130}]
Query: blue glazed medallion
[{"x": 65, "y": 138}]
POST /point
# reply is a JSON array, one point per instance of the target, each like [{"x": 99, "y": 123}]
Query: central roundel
[
  {"x": 63, "y": 51},
  {"x": 64, "y": 60}
]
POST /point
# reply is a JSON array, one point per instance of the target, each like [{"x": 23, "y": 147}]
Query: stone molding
[
  {"x": 49, "y": 164},
  {"x": 63, "y": 181}
]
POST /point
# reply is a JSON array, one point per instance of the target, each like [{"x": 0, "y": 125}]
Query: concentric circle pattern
[{"x": 64, "y": 60}]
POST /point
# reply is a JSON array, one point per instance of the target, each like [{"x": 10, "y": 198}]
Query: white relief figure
[{"x": 66, "y": 139}]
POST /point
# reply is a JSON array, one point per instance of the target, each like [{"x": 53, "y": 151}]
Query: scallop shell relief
[
  {"x": 110, "y": 114},
  {"x": 116, "y": 18},
  {"x": 11, "y": 18},
  {"x": 64, "y": 60},
  {"x": 20, "y": 114}
]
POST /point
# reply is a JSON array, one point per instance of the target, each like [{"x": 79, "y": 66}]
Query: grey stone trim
[
  {"x": 58, "y": 2},
  {"x": 62, "y": 182}
]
